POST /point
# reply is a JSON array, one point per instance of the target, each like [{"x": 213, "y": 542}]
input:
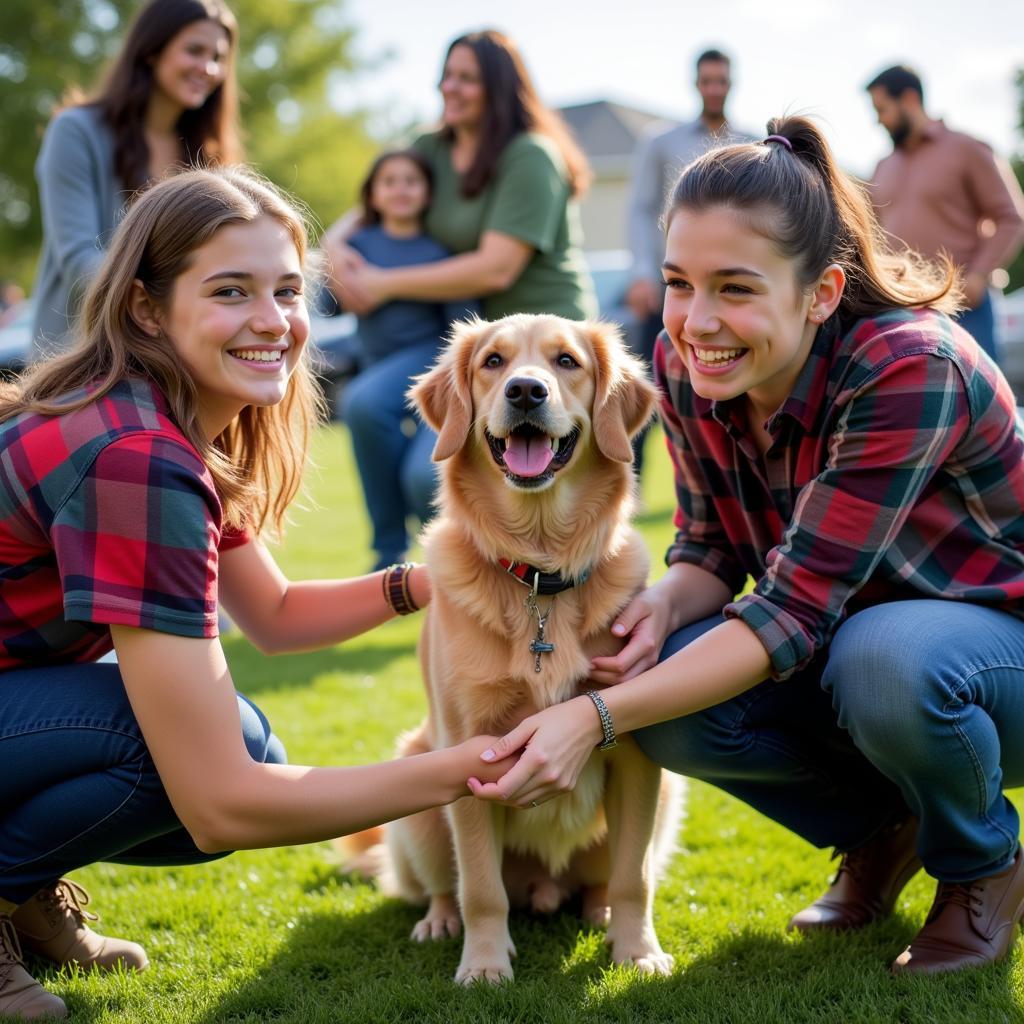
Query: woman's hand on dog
[
  {"x": 644, "y": 622},
  {"x": 483, "y": 772},
  {"x": 552, "y": 747}
]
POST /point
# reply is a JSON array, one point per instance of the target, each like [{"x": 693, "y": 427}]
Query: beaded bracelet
[
  {"x": 607, "y": 728},
  {"x": 396, "y": 589}
]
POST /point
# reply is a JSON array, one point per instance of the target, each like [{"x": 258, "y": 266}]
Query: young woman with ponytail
[{"x": 839, "y": 439}]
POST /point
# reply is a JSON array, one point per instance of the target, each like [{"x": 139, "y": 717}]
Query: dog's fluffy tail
[{"x": 363, "y": 854}]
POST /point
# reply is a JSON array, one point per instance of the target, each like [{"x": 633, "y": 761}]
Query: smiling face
[
  {"x": 400, "y": 191},
  {"x": 734, "y": 310},
  {"x": 462, "y": 90},
  {"x": 192, "y": 64},
  {"x": 238, "y": 320},
  {"x": 533, "y": 389}
]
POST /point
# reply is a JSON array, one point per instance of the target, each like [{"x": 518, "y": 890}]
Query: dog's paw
[
  {"x": 644, "y": 953},
  {"x": 442, "y": 921},
  {"x": 491, "y": 974},
  {"x": 486, "y": 962},
  {"x": 596, "y": 912},
  {"x": 652, "y": 963}
]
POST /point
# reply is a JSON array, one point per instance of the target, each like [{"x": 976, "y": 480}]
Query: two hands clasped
[{"x": 546, "y": 752}]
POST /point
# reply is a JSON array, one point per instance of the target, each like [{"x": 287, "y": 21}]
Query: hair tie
[{"x": 781, "y": 139}]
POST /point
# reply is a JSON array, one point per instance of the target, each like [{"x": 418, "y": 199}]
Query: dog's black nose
[{"x": 526, "y": 393}]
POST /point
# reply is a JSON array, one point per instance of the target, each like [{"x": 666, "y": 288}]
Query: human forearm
[
  {"x": 690, "y": 594},
  {"x": 321, "y": 613},
  {"x": 717, "y": 666},
  {"x": 281, "y": 805},
  {"x": 458, "y": 277},
  {"x": 278, "y": 615}
]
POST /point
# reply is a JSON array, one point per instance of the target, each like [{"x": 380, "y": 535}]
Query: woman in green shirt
[{"x": 506, "y": 175}]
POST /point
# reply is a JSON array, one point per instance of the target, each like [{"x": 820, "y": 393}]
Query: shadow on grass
[
  {"x": 362, "y": 968},
  {"x": 254, "y": 672}
]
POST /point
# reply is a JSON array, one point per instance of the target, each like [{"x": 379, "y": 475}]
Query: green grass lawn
[{"x": 279, "y": 936}]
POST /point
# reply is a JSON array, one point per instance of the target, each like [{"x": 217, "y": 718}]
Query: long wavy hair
[
  {"x": 511, "y": 106},
  {"x": 257, "y": 461},
  {"x": 209, "y": 135},
  {"x": 815, "y": 215}
]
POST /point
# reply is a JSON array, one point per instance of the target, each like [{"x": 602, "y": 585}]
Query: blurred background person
[
  {"x": 657, "y": 163},
  {"x": 943, "y": 191},
  {"x": 169, "y": 100},
  {"x": 398, "y": 340},
  {"x": 507, "y": 174}
]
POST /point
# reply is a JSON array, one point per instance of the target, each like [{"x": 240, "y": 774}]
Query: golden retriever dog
[{"x": 534, "y": 416}]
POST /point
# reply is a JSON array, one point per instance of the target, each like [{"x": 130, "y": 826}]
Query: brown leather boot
[
  {"x": 53, "y": 925},
  {"x": 21, "y": 996},
  {"x": 867, "y": 884},
  {"x": 970, "y": 924}
]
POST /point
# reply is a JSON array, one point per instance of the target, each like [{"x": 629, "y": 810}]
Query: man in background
[
  {"x": 657, "y": 163},
  {"x": 944, "y": 191}
]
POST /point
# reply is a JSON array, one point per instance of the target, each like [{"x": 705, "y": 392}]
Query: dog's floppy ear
[
  {"x": 442, "y": 394},
  {"x": 625, "y": 398}
]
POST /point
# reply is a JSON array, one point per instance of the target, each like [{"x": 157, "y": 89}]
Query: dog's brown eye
[
  {"x": 493, "y": 360},
  {"x": 566, "y": 362}
]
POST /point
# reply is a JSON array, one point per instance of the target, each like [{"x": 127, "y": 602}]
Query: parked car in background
[
  {"x": 610, "y": 270},
  {"x": 16, "y": 338},
  {"x": 1010, "y": 334}
]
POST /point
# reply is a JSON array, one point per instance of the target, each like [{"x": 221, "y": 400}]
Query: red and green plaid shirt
[
  {"x": 896, "y": 471},
  {"x": 107, "y": 515}
]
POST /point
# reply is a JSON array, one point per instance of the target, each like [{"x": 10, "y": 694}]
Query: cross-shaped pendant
[{"x": 539, "y": 645}]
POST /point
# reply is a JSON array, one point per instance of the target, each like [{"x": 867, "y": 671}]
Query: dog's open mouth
[{"x": 530, "y": 457}]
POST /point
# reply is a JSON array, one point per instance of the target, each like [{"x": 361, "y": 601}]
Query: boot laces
[
  {"x": 10, "y": 947},
  {"x": 66, "y": 896},
  {"x": 960, "y": 894},
  {"x": 853, "y": 862}
]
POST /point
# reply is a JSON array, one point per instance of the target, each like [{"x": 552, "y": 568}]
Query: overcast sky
[{"x": 788, "y": 56}]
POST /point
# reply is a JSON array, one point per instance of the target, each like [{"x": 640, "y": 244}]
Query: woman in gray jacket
[{"x": 169, "y": 100}]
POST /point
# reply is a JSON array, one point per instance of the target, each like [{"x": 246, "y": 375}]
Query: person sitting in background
[
  {"x": 399, "y": 340},
  {"x": 506, "y": 176}
]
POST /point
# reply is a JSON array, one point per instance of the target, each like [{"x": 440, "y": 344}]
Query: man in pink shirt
[{"x": 943, "y": 191}]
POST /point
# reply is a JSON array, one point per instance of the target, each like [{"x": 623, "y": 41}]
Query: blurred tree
[{"x": 293, "y": 58}]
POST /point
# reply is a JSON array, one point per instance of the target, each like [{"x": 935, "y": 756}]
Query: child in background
[{"x": 400, "y": 340}]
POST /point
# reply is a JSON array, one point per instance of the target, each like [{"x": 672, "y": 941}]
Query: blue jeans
[
  {"x": 77, "y": 784},
  {"x": 395, "y": 466},
  {"x": 980, "y": 324},
  {"x": 917, "y": 705}
]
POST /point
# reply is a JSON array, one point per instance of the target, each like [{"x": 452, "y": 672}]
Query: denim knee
[
  {"x": 259, "y": 738},
  {"x": 885, "y": 687}
]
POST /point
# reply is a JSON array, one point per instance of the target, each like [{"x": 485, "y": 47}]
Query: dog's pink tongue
[{"x": 528, "y": 456}]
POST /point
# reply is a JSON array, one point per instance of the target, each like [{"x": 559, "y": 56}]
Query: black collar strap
[{"x": 543, "y": 582}]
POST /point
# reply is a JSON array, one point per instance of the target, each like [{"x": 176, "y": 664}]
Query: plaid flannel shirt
[
  {"x": 107, "y": 515},
  {"x": 896, "y": 471}
]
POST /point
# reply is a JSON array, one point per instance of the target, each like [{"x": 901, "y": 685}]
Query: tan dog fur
[{"x": 611, "y": 835}]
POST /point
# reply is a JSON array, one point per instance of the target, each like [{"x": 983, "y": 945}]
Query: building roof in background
[{"x": 609, "y": 132}]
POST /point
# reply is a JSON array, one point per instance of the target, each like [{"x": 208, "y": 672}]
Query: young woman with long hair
[
  {"x": 169, "y": 100},
  {"x": 139, "y": 470},
  {"x": 839, "y": 438}
]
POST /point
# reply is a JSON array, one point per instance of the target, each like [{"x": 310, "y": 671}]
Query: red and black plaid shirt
[
  {"x": 896, "y": 471},
  {"x": 107, "y": 515}
]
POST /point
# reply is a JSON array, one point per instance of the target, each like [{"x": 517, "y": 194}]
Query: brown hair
[
  {"x": 815, "y": 215},
  {"x": 370, "y": 214},
  {"x": 257, "y": 462},
  {"x": 512, "y": 106},
  {"x": 209, "y": 135}
]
